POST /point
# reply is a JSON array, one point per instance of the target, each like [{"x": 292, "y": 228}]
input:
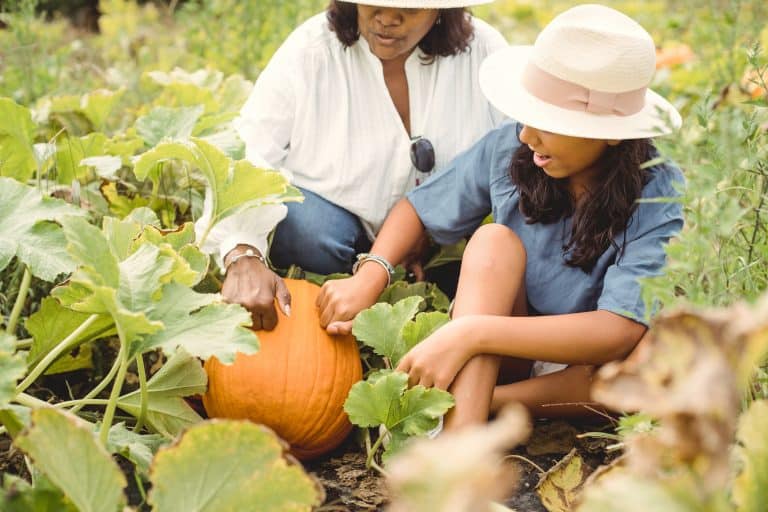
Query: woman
[
  {"x": 357, "y": 107},
  {"x": 579, "y": 220}
]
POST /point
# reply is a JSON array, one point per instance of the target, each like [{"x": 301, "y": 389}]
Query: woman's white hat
[
  {"x": 587, "y": 75},
  {"x": 421, "y": 4}
]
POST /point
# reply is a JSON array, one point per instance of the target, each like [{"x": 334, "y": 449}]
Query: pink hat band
[{"x": 572, "y": 96}]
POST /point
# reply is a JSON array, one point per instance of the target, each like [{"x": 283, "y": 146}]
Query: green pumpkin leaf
[
  {"x": 97, "y": 105},
  {"x": 12, "y": 368},
  {"x": 57, "y": 439},
  {"x": 750, "y": 489},
  {"x": 168, "y": 413},
  {"x": 138, "y": 448},
  {"x": 42, "y": 497},
  {"x": 235, "y": 186},
  {"x": 24, "y": 234},
  {"x": 168, "y": 123},
  {"x": 374, "y": 401},
  {"x": 384, "y": 399},
  {"x": 381, "y": 327},
  {"x": 415, "y": 331},
  {"x": 52, "y": 323},
  {"x": 229, "y": 466},
  {"x": 201, "y": 327},
  {"x": 71, "y": 151},
  {"x": 17, "y": 159},
  {"x": 105, "y": 166}
]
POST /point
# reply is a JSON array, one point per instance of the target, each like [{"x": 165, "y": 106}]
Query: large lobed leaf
[
  {"x": 55, "y": 441},
  {"x": 384, "y": 399},
  {"x": 233, "y": 185},
  {"x": 389, "y": 330},
  {"x": 17, "y": 158},
  {"x": 24, "y": 232},
  {"x": 230, "y": 466}
]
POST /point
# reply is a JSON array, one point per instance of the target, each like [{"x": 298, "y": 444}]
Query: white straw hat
[
  {"x": 587, "y": 75},
  {"x": 421, "y": 4}
]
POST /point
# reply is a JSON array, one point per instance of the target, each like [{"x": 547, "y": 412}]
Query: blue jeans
[{"x": 318, "y": 236}]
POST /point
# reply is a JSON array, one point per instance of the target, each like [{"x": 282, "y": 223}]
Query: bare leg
[
  {"x": 491, "y": 282},
  {"x": 564, "y": 393}
]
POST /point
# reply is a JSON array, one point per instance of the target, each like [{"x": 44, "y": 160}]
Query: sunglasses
[{"x": 422, "y": 154}]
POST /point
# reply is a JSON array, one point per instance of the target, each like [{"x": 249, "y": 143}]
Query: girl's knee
[{"x": 493, "y": 242}]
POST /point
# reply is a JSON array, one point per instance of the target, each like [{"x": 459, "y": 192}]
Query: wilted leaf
[
  {"x": 460, "y": 471},
  {"x": 24, "y": 234},
  {"x": 12, "y": 368},
  {"x": 168, "y": 413},
  {"x": 558, "y": 488},
  {"x": 230, "y": 466},
  {"x": 750, "y": 489},
  {"x": 57, "y": 439}
]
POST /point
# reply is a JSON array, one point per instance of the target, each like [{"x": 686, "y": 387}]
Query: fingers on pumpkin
[{"x": 283, "y": 297}]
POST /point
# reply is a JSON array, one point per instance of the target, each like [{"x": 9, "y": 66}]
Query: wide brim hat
[
  {"x": 421, "y": 4},
  {"x": 586, "y": 75}
]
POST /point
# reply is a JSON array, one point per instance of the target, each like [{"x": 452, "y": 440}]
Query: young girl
[{"x": 576, "y": 223}]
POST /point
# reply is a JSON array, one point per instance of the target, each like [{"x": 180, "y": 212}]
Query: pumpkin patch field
[{"x": 128, "y": 384}]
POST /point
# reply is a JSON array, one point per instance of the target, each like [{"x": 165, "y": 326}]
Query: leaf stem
[
  {"x": 143, "y": 392},
  {"x": 30, "y": 401},
  {"x": 64, "y": 345},
  {"x": 21, "y": 298},
  {"x": 79, "y": 403},
  {"x": 370, "y": 461},
  {"x": 82, "y": 402},
  {"x": 117, "y": 386}
]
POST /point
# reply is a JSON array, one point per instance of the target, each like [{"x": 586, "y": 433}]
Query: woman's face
[
  {"x": 562, "y": 156},
  {"x": 391, "y": 32}
]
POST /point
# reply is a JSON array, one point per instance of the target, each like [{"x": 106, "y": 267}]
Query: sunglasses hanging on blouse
[{"x": 422, "y": 155}]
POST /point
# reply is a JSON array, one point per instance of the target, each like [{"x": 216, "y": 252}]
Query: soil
[{"x": 350, "y": 487}]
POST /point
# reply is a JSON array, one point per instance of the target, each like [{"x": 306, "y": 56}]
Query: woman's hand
[
  {"x": 254, "y": 286},
  {"x": 340, "y": 300},
  {"x": 436, "y": 360}
]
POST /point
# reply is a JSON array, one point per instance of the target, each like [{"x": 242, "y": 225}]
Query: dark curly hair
[
  {"x": 449, "y": 37},
  {"x": 601, "y": 214}
]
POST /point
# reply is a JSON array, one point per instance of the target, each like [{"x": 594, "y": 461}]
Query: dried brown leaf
[{"x": 460, "y": 471}]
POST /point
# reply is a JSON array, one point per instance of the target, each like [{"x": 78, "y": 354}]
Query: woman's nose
[{"x": 388, "y": 16}]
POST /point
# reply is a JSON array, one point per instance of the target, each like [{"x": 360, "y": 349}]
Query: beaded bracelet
[
  {"x": 365, "y": 256},
  {"x": 249, "y": 253}
]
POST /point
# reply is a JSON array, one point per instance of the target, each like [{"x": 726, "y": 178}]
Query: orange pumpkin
[{"x": 296, "y": 384}]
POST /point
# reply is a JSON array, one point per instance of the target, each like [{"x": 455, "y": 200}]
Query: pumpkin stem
[{"x": 294, "y": 272}]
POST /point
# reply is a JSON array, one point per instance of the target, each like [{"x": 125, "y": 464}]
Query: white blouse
[{"x": 323, "y": 116}]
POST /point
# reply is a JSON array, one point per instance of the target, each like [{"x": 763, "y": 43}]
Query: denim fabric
[
  {"x": 453, "y": 203},
  {"x": 318, "y": 236}
]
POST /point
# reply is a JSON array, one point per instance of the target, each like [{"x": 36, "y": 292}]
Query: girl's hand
[
  {"x": 340, "y": 300},
  {"x": 438, "y": 358}
]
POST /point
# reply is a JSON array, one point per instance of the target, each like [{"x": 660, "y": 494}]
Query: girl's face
[
  {"x": 563, "y": 156},
  {"x": 391, "y": 32}
]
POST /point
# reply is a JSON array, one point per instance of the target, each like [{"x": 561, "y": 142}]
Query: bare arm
[
  {"x": 340, "y": 300},
  {"x": 592, "y": 338}
]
